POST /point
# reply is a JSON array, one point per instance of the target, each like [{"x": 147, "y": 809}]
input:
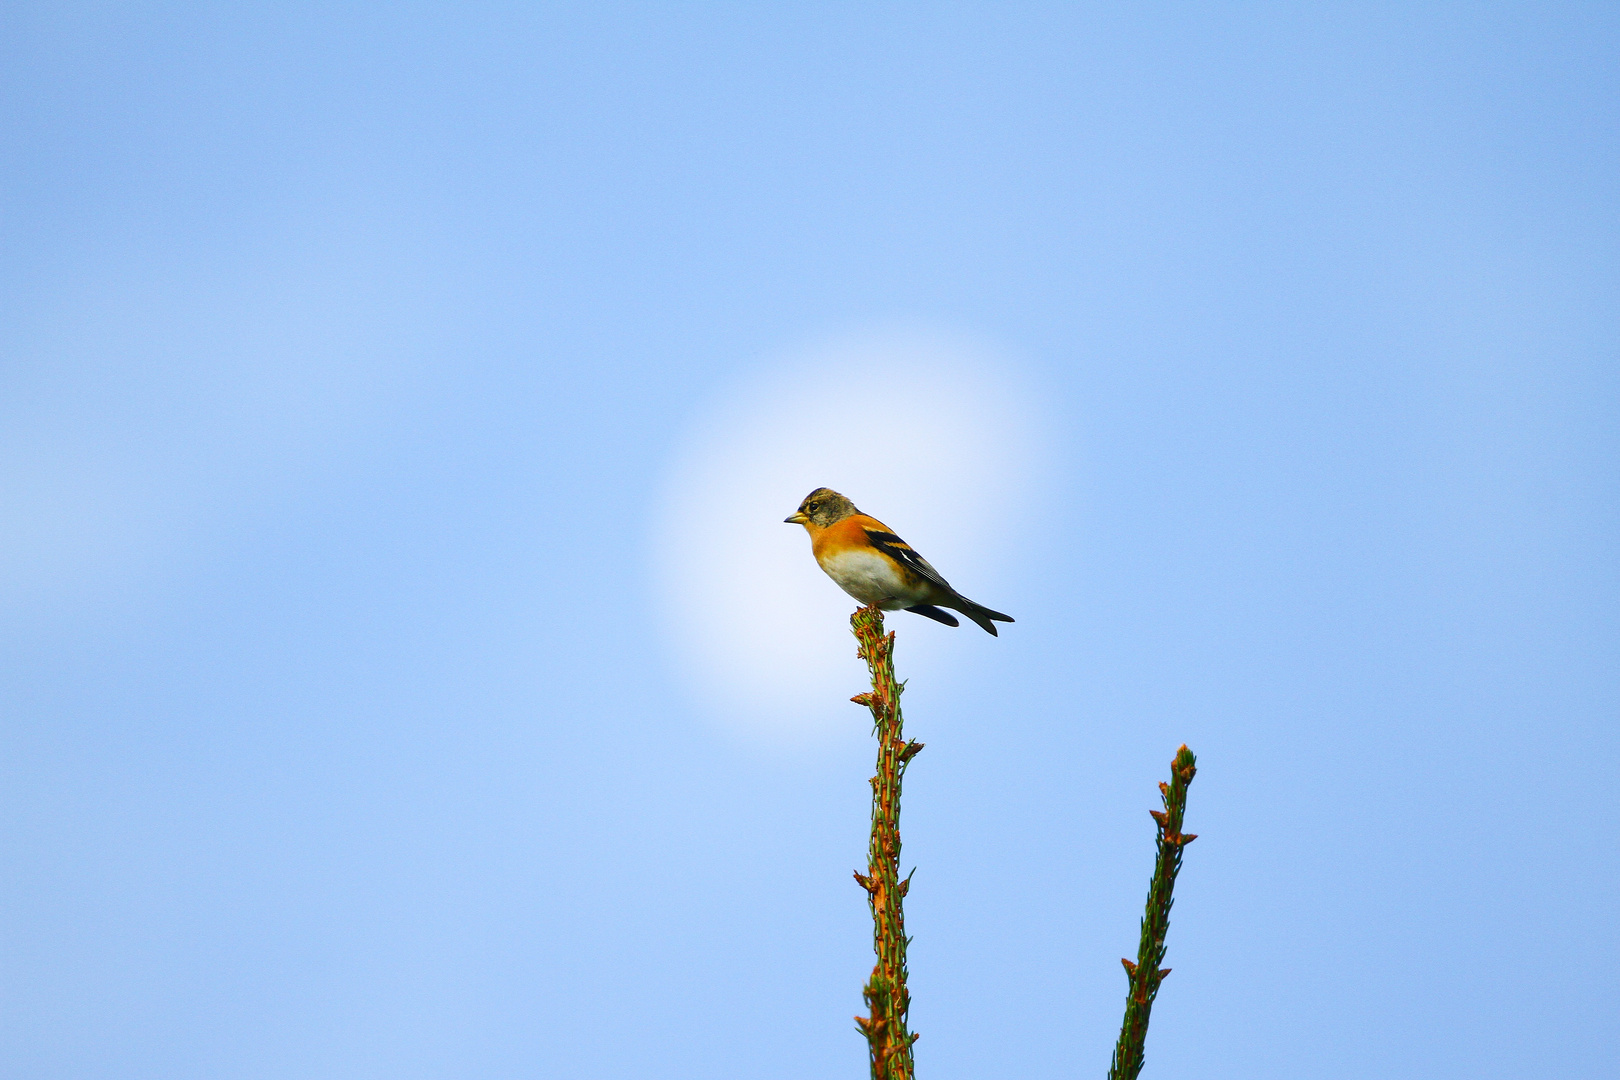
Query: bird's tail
[{"x": 978, "y": 613}]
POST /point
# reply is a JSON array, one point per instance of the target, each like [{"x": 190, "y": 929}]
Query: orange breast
[{"x": 842, "y": 536}]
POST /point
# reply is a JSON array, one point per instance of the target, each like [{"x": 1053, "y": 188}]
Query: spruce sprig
[
  {"x": 1145, "y": 975},
  {"x": 887, "y": 999}
]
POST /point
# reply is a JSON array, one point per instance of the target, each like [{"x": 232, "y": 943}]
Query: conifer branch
[
  {"x": 887, "y": 999},
  {"x": 1145, "y": 975}
]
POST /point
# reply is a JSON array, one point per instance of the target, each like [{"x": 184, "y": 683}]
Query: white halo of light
[{"x": 933, "y": 434}]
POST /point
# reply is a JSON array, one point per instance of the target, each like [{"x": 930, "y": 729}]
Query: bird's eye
[{"x": 813, "y": 507}]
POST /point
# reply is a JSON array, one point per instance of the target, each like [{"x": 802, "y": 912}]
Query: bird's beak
[{"x": 798, "y": 518}]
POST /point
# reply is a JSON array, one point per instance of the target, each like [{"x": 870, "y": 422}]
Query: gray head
[{"x": 821, "y": 508}]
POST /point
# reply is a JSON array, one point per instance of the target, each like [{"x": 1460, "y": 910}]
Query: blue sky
[{"x": 366, "y": 593}]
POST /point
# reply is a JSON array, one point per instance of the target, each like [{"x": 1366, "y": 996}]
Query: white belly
[{"x": 871, "y": 579}]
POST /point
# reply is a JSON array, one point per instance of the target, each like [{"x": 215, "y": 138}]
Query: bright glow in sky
[{"x": 935, "y": 436}]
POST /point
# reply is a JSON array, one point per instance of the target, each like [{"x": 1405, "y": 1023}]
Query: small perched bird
[{"x": 877, "y": 567}]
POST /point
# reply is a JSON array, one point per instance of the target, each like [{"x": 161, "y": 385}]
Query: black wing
[{"x": 900, "y": 551}]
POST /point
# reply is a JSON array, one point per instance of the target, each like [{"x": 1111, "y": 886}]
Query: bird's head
[{"x": 821, "y": 508}]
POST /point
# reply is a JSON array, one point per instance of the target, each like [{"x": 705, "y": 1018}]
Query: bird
[{"x": 875, "y": 566}]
